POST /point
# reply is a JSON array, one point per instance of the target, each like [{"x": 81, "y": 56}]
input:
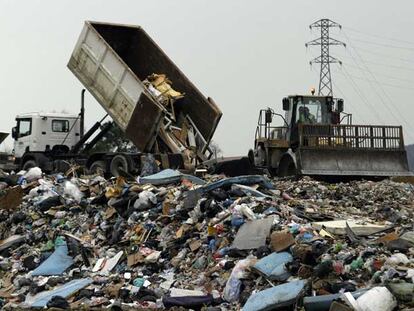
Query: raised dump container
[{"x": 112, "y": 61}]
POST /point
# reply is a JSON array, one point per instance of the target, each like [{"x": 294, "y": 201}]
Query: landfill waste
[
  {"x": 174, "y": 241},
  {"x": 376, "y": 299}
]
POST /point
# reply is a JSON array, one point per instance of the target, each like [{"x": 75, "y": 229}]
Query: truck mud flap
[{"x": 352, "y": 162}]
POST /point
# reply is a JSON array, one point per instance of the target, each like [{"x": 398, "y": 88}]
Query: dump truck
[
  {"x": 318, "y": 139},
  {"x": 147, "y": 96}
]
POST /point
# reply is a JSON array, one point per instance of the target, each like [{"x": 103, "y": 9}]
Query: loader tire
[
  {"x": 98, "y": 167},
  {"x": 120, "y": 164},
  {"x": 287, "y": 167}
]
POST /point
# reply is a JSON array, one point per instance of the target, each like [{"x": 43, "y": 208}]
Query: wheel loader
[{"x": 318, "y": 139}]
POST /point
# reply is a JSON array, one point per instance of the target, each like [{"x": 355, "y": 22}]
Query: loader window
[
  {"x": 24, "y": 127},
  {"x": 311, "y": 111},
  {"x": 61, "y": 126}
]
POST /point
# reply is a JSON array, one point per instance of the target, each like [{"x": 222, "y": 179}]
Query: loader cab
[
  {"x": 306, "y": 109},
  {"x": 44, "y": 132}
]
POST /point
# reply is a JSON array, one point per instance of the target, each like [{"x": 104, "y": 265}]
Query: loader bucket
[
  {"x": 351, "y": 150},
  {"x": 358, "y": 163}
]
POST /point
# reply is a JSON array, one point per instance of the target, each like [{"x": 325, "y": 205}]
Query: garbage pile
[{"x": 174, "y": 241}]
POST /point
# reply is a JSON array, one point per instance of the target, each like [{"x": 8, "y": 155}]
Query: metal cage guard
[{"x": 351, "y": 137}]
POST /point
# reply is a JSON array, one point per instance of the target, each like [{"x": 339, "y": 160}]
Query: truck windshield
[
  {"x": 24, "y": 127},
  {"x": 311, "y": 111}
]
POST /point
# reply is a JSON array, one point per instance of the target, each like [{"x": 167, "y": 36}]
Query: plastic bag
[
  {"x": 377, "y": 299},
  {"x": 232, "y": 290},
  {"x": 397, "y": 259},
  {"x": 33, "y": 174},
  {"x": 145, "y": 200},
  {"x": 73, "y": 191},
  {"x": 246, "y": 211}
]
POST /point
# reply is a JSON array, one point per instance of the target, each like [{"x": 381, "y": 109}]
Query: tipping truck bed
[
  {"x": 351, "y": 150},
  {"x": 112, "y": 61}
]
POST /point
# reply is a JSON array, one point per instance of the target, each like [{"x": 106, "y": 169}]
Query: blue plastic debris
[
  {"x": 241, "y": 180},
  {"x": 271, "y": 210},
  {"x": 273, "y": 266},
  {"x": 237, "y": 221},
  {"x": 168, "y": 176},
  {"x": 40, "y": 300},
  {"x": 275, "y": 297},
  {"x": 56, "y": 263}
]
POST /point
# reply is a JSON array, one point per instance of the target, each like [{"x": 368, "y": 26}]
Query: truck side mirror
[
  {"x": 14, "y": 133},
  {"x": 285, "y": 103},
  {"x": 268, "y": 116},
  {"x": 340, "y": 105}
]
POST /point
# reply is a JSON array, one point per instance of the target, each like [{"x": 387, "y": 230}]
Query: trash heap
[{"x": 176, "y": 241}]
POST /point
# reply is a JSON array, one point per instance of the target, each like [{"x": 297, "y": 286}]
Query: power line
[
  {"x": 361, "y": 95},
  {"x": 381, "y": 89},
  {"x": 348, "y": 102},
  {"x": 370, "y": 83},
  {"x": 378, "y": 36},
  {"x": 407, "y": 125},
  {"x": 382, "y": 75},
  {"x": 385, "y": 45},
  {"x": 387, "y": 65},
  {"x": 384, "y": 55},
  {"x": 382, "y": 83},
  {"x": 381, "y": 99}
]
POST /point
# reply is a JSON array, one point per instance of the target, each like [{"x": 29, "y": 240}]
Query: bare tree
[{"x": 217, "y": 151}]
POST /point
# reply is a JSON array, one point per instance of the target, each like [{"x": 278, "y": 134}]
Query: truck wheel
[
  {"x": 120, "y": 164},
  {"x": 98, "y": 167},
  {"x": 29, "y": 164}
]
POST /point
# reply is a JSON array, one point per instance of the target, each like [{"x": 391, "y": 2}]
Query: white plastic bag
[
  {"x": 397, "y": 259},
  {"x": 33, "y": 174},
  {"x": 73, "y": 191},
  {"x": 145, "y": 200},
  {"x": 377, "y": 299},
  {"x": 246, "y": 211}
]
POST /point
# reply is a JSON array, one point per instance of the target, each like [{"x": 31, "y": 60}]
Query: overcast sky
[{"x": 246, "y": 55}]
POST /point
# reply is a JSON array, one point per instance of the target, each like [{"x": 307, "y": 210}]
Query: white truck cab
[{"x": 43, "y": 132}]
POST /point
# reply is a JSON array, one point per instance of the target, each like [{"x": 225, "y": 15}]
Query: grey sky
[{"x": 246, "y": 55}]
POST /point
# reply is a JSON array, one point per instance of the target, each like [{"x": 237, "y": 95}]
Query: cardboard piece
[{"x": 253, "y": 234}]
